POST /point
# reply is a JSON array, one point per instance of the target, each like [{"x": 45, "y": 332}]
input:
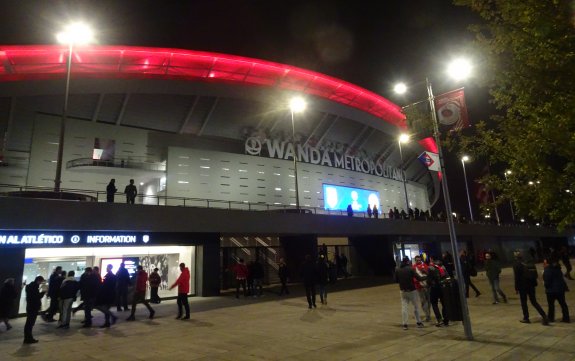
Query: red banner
[{"x": 452, "y": 111}]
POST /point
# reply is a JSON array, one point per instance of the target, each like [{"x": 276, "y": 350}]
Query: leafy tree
[{"x": 528, "y": 50}]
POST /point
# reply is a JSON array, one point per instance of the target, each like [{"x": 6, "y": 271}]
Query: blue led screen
[{"x": 338, "y": 198}]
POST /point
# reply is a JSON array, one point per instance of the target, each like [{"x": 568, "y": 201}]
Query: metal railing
[
  {"x": 116, "y": 163},
  {"x": 9, "y": 190}
]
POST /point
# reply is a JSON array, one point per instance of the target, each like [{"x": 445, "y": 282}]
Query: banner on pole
[
  {"x": 452, "y": 111},
  {"x": 430, "y": 160}
]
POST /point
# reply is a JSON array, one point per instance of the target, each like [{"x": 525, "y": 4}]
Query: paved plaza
[{"x": 356, "y": 324}]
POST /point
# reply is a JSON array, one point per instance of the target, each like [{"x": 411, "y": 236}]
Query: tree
[{"x": 529, "y": 67}]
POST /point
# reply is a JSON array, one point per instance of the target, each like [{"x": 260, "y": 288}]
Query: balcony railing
[
  {"x": 70, "y": 194},
  {"x": 117, "y": 163}
]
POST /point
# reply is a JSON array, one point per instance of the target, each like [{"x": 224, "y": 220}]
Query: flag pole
[{"x": 452, "y": 235}]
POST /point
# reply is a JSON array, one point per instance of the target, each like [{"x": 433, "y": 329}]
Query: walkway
[{"x": 357, "y": 324}]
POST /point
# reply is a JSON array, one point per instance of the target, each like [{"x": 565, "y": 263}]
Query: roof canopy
[{"x": 49, "y": 61}]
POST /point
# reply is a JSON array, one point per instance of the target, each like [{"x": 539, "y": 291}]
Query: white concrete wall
[
  {"x": 193, "y": 173},
  {"x": 130, "y": 143}
]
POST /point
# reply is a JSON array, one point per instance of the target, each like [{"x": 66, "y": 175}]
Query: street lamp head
[
  {"x": 297, "y": 104},
  {"x": 400, "y": 88},
  {"x": 465, "y": 159},
  {"x": 459, "y": 69},
  {"x": 403, "y": 138},
  {"x": 508, "y": 172},
  {"x": 76, "y": 34}
]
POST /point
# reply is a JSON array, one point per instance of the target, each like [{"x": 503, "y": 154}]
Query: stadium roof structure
[{"x": 49, "y": 61}]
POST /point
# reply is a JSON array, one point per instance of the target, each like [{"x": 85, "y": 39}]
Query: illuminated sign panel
[
  {"x": 62, "y": 239},
  {"x": 338, "y": 198}
]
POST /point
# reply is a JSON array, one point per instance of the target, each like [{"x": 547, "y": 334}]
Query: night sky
[{"x": 371, "y": 43}]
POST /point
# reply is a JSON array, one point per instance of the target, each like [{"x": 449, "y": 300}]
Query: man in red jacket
[
  {"x": 140, "y": 294},
  {"x": 183, "y": 283}
]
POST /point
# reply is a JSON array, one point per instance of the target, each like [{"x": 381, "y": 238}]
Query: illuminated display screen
[{"x": 338, "y": 198}]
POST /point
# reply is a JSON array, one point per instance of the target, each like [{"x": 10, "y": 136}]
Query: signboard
[
  {"x": 71, "y": 239},
  {"x": 430, "y": 160},
  {"x": 274, "y": 148}
]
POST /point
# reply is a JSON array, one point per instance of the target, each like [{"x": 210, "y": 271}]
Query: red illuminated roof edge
[{"x": 361, "y": 98}]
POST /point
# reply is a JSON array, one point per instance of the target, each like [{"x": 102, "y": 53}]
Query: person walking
[
  {"x": 422, "y": 288},
  {"x": 436, "y": 273},
  {"x": 89, "y": 287},
  {"x": 322, "y": 278},
  {"x": 107, "y": 296},
  {"x": 131, "y": 192},
  {"x": 309, "y": 276},
  {"x": 241, "y": 273},
  {"x": 555, "y": 288},
  {"x": 33, "y": 304},
  {"x": 140, "y": 294},
  {"x": 8, "y": 294},
  {"x": 283, "y": 276},
  {"x": 68, "y": 292},
  {"x": 54, "y": 283},
  {"x": 404, "y": 276},
  {"x": 111, "y": 191},
  {"x": 525, "y": 275},
  {"x": 183, "y": 283},
  {"x": 564, "y": 254},
  {"x": 492, "y": 271},
  {"x": 375, "y": 211},
  {"x": 155, "y": 282},
  {"x": 468, "y": 270},
  {"x": 258, "y": 276},
  {"x": 123, "y": 282}
]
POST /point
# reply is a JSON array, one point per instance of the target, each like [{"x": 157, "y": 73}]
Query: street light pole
[
  {"x": 75, "y": 33},
  {"x": 58, "y": 179},
  {"x": 294, "y": 160},
  {"x": 297, "y": 105},
  {"x": 452, "y": 235},
  {"x": 510, "y": 203},
  {"x": 463, "y": 160},
  {"x": 403, "y": 138}
]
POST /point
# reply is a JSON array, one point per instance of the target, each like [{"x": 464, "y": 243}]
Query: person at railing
[
  {"x": 369, "y": 212},
  {"x": 131, "y": 191},
  {"x": 111, "y": 190},
  {"x": 375, "y": 211}
]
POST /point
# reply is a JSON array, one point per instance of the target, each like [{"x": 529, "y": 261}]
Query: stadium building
[{"x": 206, "y": 137}]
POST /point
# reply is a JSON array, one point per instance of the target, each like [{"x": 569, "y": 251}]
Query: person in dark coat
[
  {"x": 54, "y": 283},
  {"x": 89, "y": 287},
  {"x": 33, "y": 304},
  {"x": 122, "y": 284},
  {"x": 258, "y": 276},
  {"x": 466, "y": 267},
  {"x": 283, "y": 276},
  {"x": 435, "y": 276},
  {"x": 8, "y": 294},
  {"x": 111, "y": 190},
  {"x": 375, "y": 211},
  {"x": 349, "y": 210},
  {"x": 309, "y": 276},
  {"x": 525, "y": 282},
  {"x": 492, "y": 271},
  {"x": 155, "y": 282},
  {"x": 564, "y": 254},
  {"x": 555, "y": 288},
  {"x": 106, "y": 297},
  {"x": 131, "y": 192},
  {"x": 68, "y": 292},
  {"x": 369, "y": 213},
  {"x": 322, "y": 278},
  {"x": 404, "y": 275}
]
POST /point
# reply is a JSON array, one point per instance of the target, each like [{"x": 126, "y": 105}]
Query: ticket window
[{"x": 42, "y": 261}]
